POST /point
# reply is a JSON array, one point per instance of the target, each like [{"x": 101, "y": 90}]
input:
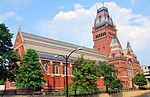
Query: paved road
[
  {"x": 146, "y": 95},
  {"x": 120, "y": 95}
]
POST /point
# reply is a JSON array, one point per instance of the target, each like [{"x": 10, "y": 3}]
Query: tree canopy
[
  {"x": 8, "y": 58},
  {"x": 87, "y": 72},
  {"x": 140, "y": 80},
  {"x": 85, "y": 77},
  {"x": 29, "y": 74},
  {"x": 109, "y": 73}
]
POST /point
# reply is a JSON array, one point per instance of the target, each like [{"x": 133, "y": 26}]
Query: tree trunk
[
  {"x": 106, "y": 89},
  {"x": 75, "y": 92}
]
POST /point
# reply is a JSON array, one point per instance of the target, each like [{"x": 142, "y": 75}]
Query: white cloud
[
  {"x": 76, "y": 26},
  {"x": 8, "y": 15},
  {"x": 72, "y": 26},
  {"x": 131, "y": 27}
]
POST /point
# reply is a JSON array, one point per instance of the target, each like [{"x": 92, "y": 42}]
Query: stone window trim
[
  {"x": 46, "y": 68},
  {"x": 56, "y": 68}
]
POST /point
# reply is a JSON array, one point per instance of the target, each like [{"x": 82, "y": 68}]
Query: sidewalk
[{"x": 126, "y": 94}]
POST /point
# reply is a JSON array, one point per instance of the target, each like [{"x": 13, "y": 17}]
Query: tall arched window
[
  {"x": 55, "y": 68},
  {"x": 46, "y": 67},
  {"x": 64, "y": 70},
  {"x": 124, "y": 72},
  {"x": 73, "y": 70},
  {"x": 129, "y": 63}
]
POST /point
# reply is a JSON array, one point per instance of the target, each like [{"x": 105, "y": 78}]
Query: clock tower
[{"x": 103, "y": 31}]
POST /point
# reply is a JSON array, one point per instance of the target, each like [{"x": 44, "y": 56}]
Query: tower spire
[
  {"x": 19, "y": 30},
  {"x": 103, "y": 18},
  {"x": 128, "y": 45},
  {"x": 103, "y": 31},
  {"x": 103, "y": 4}
]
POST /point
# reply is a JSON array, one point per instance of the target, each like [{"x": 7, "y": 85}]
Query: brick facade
[
  {"x": 106, "y": 41},
  {"x": 106, "y": 48}
]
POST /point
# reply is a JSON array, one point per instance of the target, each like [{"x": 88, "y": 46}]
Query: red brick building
[
  {"x": 106, "y": 48},
  {"x": 53, "y": 68},
  {"x": 106, "y": 41}
]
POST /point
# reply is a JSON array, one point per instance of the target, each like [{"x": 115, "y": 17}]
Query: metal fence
[{"x": 43, "y": 93}]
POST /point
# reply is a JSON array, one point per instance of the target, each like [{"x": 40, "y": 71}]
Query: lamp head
[
  {"x": 79, "y": 48},
  {"x": 56, "y": 56}
]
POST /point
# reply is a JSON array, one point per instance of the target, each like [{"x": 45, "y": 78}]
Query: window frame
[{"x": 56, "y": 68}]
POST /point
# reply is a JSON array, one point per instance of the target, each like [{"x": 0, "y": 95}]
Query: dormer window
[
  {"x": 129, "y": 63},
  {"x": 129, "y": 53},
  {"x": 100, "y": 18},
  {"x": 113, "y": 55}
]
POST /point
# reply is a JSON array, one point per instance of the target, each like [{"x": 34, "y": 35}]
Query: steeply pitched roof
[
  {"x": 115, "y": 49},
  {"x": 47, "y": 48},
  {"x": 114, "y": 42}
]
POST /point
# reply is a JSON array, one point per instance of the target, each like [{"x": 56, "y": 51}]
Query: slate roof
[{"x": 47, "y": 48}]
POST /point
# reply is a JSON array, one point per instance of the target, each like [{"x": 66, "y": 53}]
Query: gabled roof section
[
  {"x": 19, "y": 39},
  {"x": 128, "y": 51},
  {"x": 47, "y": 45},
  {"x": 114, "y": 42},
  {"x": 115, "y": 49}
]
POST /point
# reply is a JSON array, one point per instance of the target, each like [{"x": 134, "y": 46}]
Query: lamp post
[{"x": 66, "y": 57}]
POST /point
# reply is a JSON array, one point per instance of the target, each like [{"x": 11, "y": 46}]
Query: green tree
[
  {"x": 109, "y": 73},
  {"x": 85, "y": 77},
  {"x": 13, "y": 66},
  {"x": 2, "y": 82},
  {"x": 116, "y": 84},
  {"x": 30, "y": 75},
  {"x": 7, "y": 55},
  {"x": 140, "y": 80}
]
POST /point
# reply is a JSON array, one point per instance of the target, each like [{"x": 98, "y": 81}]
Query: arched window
[
  {"x": 124, "y": 72},
  {"x": 55, "y": 69},
  {"x": 130, "y": 73},
  {"x": 113, "y": 55},
  {"x": 64, "y": 70},
  {"x": 129, "y": 63},
  {"x": 46, "y": 67},
  {"x": 73, "y": 70}
]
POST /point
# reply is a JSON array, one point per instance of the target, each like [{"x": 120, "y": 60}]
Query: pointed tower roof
[
  {"x": 128, "y": 46},
  {"x": 114, "y": 42},
  {"x": 103, "y": 18},
  {"x": 116, "y": 49},
  {"x": 19, "y": 30},
  {"x": 128, "y": 50}
]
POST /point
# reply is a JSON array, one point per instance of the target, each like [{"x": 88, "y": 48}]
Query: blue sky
[{"x": 72, "y": 20}]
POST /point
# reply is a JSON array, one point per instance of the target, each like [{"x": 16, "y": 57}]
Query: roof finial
[
  {"x": 19, "y": 28},
  {"x": 107, "y": 6},
  {"x": 96, "y": 7},
  {"x": 128, "y": 45},
  {"x": 103, "y": 4}
]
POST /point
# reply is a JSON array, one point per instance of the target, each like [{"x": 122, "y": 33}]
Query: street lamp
[{"x": 66, "y": 57}]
